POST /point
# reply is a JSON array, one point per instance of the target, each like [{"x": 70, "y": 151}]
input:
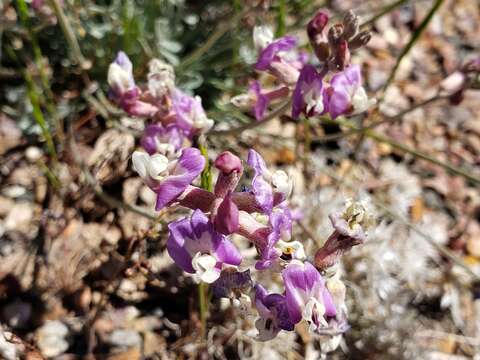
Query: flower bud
[
  {"x": 360, "y": 40},
  {"x": 227, "y": 162},
  {"x": 350, "y": 23},
  {"x": 335, "y": 35},
  {"x": 316, "y": 26}
]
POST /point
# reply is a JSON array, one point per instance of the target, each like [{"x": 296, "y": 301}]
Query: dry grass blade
[{"x": 413, "y": 39}]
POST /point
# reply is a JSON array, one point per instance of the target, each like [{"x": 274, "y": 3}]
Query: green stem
[
  {"x": 33, "y": 96},
  {"x": 202, "y": 296}
]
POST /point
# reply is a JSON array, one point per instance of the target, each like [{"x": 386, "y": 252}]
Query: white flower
[
  {"x": 204, "y": 266},
  {"x": 119, "y": 78},
  {"x": 293, "y": 248},
  {"x": 150, "y": 166},
  {"x": 262, "y": 36}
]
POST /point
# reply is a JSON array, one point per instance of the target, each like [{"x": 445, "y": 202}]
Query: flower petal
[{"x": 189, "y": 166}]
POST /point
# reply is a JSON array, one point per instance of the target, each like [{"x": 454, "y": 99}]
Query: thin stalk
[
  {"x": 33, "y": 96},
  {"x": 206, "y": 183},
  {"x": 281, "y": 16},
  {"x": 214, "y": 37},
  {"x": 381, "y": 138},
  {"x": 69, "y": 35},
  {"x": 202, "y": 296},
  {"x": 381, "y": 13},
  {"x": 413, "y": 39},
  {"x": 254, "y": 123}
]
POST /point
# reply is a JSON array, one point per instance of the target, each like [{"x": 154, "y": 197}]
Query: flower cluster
[
  {"x": 202, "y": 243},
  {"x": 258, "y": 209},
  {"x": 331, "y": 87}
]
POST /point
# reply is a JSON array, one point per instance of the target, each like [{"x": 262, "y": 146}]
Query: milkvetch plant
[{"x": 203, "y": 243}]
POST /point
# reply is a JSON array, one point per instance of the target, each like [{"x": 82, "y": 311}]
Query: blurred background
[{"x": 84, "y": 271}]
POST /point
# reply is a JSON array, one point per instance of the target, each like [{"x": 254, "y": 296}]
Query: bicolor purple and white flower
[
  {"x": 346, "y": 95},
  {"x": 350, "y": 229},
  {"x": 258, "y": 100},
  {"x": 281, "y": 59},
  {"x": 198, "y": 249},
  {"x": 307, "y": 297},
  {"x": 166, "y": 140},
  {"x": 124, "y": 90},
  {"x": 262, "y": 36},
  {"x": 168, "y": 178},
  {"x": 276, "y": 245},
  {"x": 269, "y": 188},
  {"x": 309, "y": 94},
  {"x": 274, "y": 315},
  {"x": 189, "y": 112}
]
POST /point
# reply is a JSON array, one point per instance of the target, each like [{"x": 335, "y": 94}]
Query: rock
[
  {"x": 10, "y": 134},
  {"x": 20, "y": 217},
  {"x": 125, "y": 338},
  {"x": 51, "y": 338}
]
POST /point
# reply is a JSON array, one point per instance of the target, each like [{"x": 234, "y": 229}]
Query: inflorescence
[{"x": 201, "y": 244}]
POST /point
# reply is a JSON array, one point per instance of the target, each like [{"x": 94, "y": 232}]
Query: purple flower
[
  {"x": 198, "y": 249},
  {"x": 346, "y": 93},
  {"x": 168, "y": 179},
  {"x": 271, "y": 51},
  {"x": 274, "y": 315},
  {"x": 307, "y": 297},
  {"x": 123, "y": 89},
  {"x": 261, "y": 100},
  {"x": 308, "y": 96},
  {"x": 226, "y": 217},
  {"x": 280, "y": 223},
  {"x": 350, "y": 230},
  {"x": 164, "y": 140},
  {"x": 190, "y": 115},
  {"x": 268, "y": 188}
]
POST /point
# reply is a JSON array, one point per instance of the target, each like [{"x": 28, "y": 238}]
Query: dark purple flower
[
  {"x": 197, "y": 248},
  {"x": 271, "y": 51},
  {"x": 274, "y": 315},
  {"x": 306, "y": 295},
  {"x": 308, "y": 96},
  {"x": 168, "y": 179},
  {"x": 190, "y": 115},
  {"x": 162, "y": 139}
]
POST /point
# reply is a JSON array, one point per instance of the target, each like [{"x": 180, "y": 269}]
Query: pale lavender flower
[
  {"x": 269, "y": 188},
  {"x": 123, "y": 88},
  {"x": 271, "y": 52},
  {"x": 166, "y": 140},
  {"x": 306, "y": 295},
  {"x": 198, "y": 249},
  {"x": 309, "y": 94},
  {"x": 189, "y": 113},
  {"x": 168, "y": 178},
  {"x": 346, "y": 94},
  {"x": 274, "y": 315}
]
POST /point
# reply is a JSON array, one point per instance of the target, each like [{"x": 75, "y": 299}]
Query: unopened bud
[
  {"x": 227, "y": 162},
  {"x": 316, "y": 26},
  {"x": 342, "y": 56},
  {"x": 335, "y": 34},
  {"x": 350, "y": 23},
  {"x": 360, "y": 40}
]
